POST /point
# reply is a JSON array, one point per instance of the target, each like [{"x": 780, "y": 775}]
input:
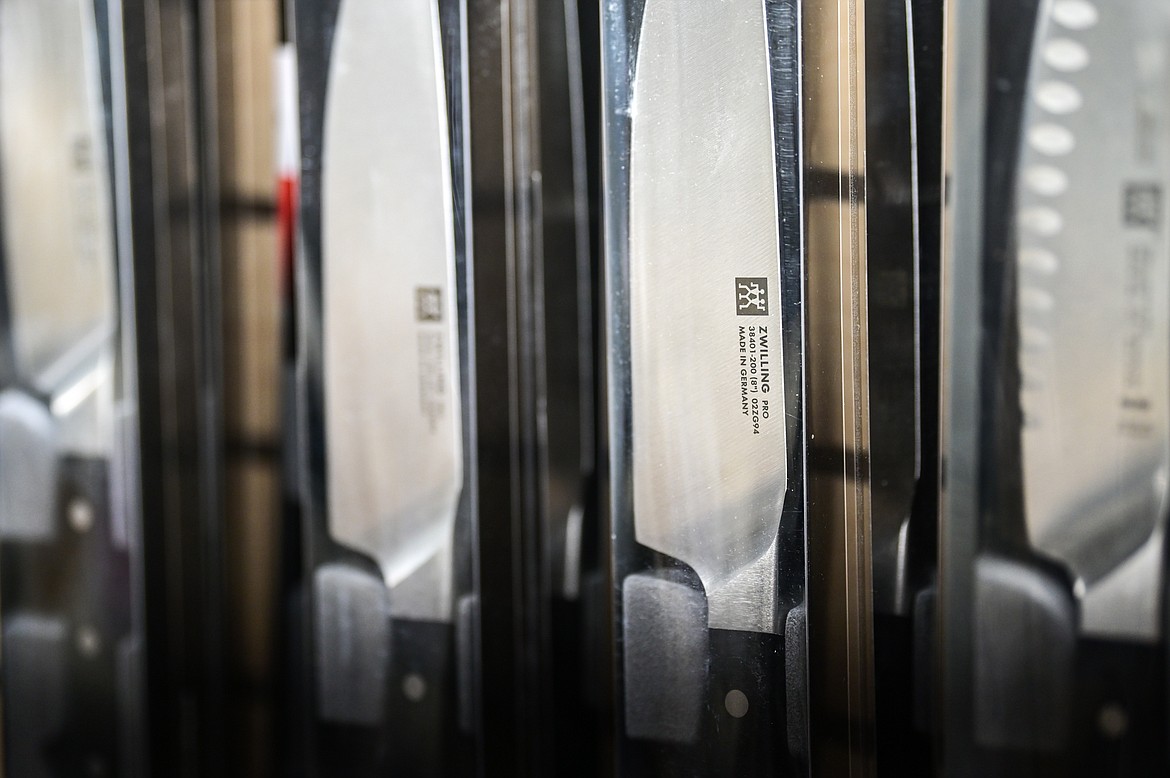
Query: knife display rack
[{"x": 754, "y": 387}]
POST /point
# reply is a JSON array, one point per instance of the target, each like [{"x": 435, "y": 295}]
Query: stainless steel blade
[
  {"x": 1094, "y": 297},
  {"x": 57, "y": 209},
  {"x": 709, "y": 448},
  {"x": 390, "y": 334}
]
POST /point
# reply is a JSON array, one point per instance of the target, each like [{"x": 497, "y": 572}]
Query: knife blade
[
  {"x": 392, "y": 377},
  {"x": 709, "y": 436},
  {"x": 57, "y": 215},
  {"x": 1093, "y": 301},
  {"x": 392, "y": 386}
]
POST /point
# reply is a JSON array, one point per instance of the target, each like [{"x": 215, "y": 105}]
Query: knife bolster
[
  {"x": 665, "y": 639},
  {"x": 1025, "y": 653},
  {"x": 352, "y": 645},
  {"x": 28, "y": 469}
]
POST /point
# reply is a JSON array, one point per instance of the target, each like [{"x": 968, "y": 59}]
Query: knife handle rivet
[
  {"x": 80, "y": 515},
  {"x": 414, "y": 687},
  {"x": 1113, "y": 721},
  {"x": 88, "y": 642},
  {"x": 736, "y": 703}
]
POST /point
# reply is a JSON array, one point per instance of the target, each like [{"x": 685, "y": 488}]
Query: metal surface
[
  {"x": 709, "y": 438},
  {"x": 565, "y": 376},
  {"x": 1094, "y": 303},
  {"x": 28, "y": 469},
  {"x": 963, "y": 300},
  {"x": 665, "y": 704},
  {"x": 893, "y": 299},
  {"x": 57, "y": 213},
  {"x": 391, "y": 370}
]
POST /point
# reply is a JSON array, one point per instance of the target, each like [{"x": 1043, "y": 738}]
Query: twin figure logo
[
  {"x": 428, "y": 303},
  {"x": 751, "y": 296}
]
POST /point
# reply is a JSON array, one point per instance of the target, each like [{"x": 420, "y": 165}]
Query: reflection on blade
[
  {"x": 709, "y": 438},
  {"x": 893, "y": 300},
  {"x": 391, "y": 369},
  {"x": 1093, "y": 303},
  {"x": 58, "y": 237}
]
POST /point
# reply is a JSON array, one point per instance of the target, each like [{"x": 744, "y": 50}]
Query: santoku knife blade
[{"x": 1094, "y": 303}]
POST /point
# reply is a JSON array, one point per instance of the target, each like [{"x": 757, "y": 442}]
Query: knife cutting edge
[{"x": 894, "y": 300}]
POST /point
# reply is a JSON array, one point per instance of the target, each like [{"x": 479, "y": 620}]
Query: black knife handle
[
  {"x": 699, "y": 701},
  {"x": 425, "y": 738},
  {"x": 746, "y": 700},
  {"x": 66, "y": 618}
]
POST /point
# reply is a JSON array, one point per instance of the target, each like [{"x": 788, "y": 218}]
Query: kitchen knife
[
  {"x": 1067, "y": 580},
  {"x": 57, "y": 411},
  {"x": 392, "y": 377},
  {"x": 1094, "y": 304},
  {"x": 707, "y": 403}
]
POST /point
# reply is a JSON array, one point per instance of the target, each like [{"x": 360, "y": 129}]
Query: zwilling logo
[
  {"x": 1143, "y": 206},
  {"x": 428, "y": 303},
  {"x": 751, "y": 296}
]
